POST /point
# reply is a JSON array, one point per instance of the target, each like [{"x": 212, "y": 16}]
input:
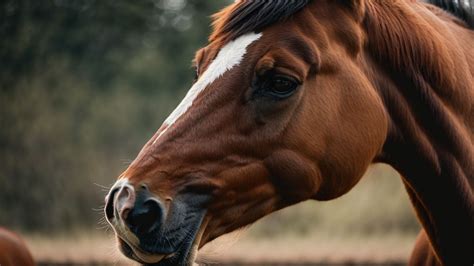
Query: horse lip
[
  {"x": 148, "y": 258},
  {"x": 187, "y": 255},
  {"x": 184, "y": 253},
  {"x": 142, "y": 256}
]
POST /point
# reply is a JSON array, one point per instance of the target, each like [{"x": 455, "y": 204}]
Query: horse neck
[{"x": 427, "y": 91}]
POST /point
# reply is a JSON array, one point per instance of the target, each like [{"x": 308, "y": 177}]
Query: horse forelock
[{"x": 246, "y": 16}]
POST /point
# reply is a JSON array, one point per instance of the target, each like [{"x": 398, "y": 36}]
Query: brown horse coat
[
  {"x": 294, "y": 101},
  {"x": 13, "y": 251}
]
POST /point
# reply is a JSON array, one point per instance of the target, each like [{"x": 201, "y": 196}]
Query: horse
[
  {"x": 293, "y": 101},
  {"x": 13, "y": 251}
]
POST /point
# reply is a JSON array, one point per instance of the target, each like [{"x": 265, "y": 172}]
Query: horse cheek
[{"x": 295, "y": 177}]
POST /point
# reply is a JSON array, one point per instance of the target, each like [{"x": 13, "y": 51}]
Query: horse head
[{"x": 280, "y": 112}]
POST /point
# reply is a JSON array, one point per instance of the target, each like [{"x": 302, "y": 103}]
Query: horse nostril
[
  {"x": 125, "y": 201},
  {"x": 145, "y": 217},
  {"x": 109, "y": 204},
  {"x": 140, "y": 211}
]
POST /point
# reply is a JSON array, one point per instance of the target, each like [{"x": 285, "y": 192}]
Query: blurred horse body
[
  {"x": 293, "y": 101},
  {"x": 13, "y": 250}
]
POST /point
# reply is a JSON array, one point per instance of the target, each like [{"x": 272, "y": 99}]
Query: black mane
[
  {"x": 253, "y": 15},
  {"x": 463, "y": 9}
]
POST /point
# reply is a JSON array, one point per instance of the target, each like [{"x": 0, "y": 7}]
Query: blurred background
[{"x": 85, "y": 83}]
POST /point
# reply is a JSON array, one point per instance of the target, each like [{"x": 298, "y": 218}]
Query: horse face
[{"x": 274, "y": 118}]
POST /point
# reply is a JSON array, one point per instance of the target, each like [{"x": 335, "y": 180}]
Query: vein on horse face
[{"x": 228, "y": 57}]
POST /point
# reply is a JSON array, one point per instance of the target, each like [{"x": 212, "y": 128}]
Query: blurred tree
[{"x": 83, "y": 84}]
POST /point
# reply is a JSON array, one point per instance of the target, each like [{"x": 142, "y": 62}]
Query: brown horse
[
  {"x": 293, "y": 101},
  {"x": 13, "y": 251}
]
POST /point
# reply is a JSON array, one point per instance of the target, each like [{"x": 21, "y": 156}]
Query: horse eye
[{"x": 282, "y": 86}]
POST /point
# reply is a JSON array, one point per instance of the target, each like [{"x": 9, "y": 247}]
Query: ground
[{"x": 99, "y": 249}]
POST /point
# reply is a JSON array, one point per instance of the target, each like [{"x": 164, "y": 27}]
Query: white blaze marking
[{"x": 229, "y": 56}]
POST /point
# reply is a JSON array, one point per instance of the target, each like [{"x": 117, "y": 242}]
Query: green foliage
[{"x": 83, "y": 85}]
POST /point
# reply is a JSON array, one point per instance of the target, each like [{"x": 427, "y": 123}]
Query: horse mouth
[
  {"x": 151, "y": 235},
  {"x": 135, "y": 253},
  {"x": 185, "y": 254}
]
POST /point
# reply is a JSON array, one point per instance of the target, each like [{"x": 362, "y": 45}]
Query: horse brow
[{"x": 301, "y": 48}]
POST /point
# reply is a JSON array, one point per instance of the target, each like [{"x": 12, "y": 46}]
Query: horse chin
[
  {"x": 138, "y": 255},
  {"x": 148, "y": 259},
  {"x": 185, "y": 256}
]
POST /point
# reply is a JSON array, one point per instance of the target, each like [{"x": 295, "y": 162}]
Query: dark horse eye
[{"x": 281, "y": 86}]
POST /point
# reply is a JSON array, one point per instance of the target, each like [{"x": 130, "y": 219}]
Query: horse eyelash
[
  {"x": 195, "y": 68},
  {"x": 196, "y": 73}
]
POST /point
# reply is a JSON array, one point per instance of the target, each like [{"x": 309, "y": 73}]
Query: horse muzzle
[{"x": 150, "y": 232}]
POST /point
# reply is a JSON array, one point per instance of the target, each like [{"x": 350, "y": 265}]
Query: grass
[
  {"x": 391, "y": 248},
  {"x": 373, "y": 224},
  {"x": 100, "y": 249}
]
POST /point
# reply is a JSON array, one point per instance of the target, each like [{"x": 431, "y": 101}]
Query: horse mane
[
  {"x": 462, "y": 9},
  {"x": 246, "y": 16}
]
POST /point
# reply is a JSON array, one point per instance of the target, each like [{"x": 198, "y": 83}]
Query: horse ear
[{"x": 357, "y": 7}]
